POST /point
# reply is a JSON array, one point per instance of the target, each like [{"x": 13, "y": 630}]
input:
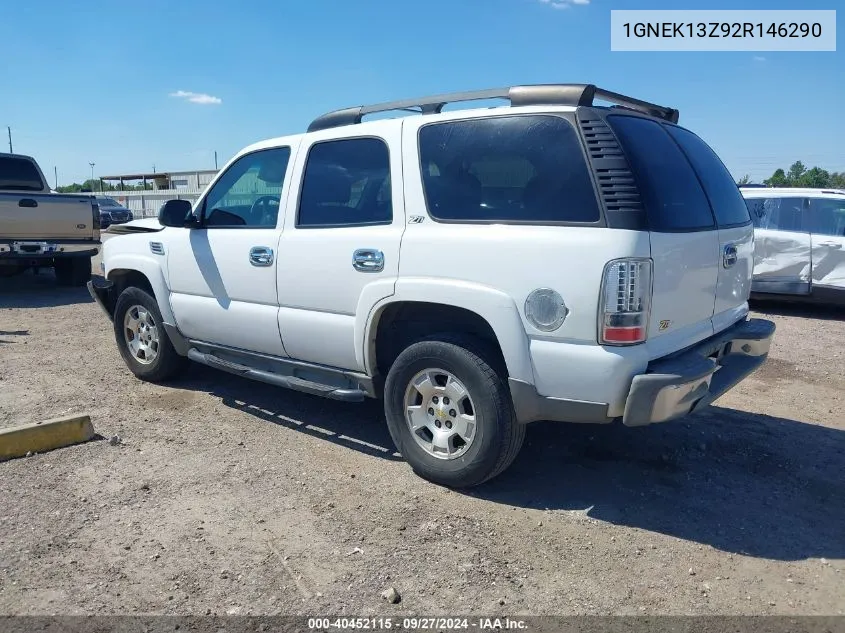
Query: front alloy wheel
[{"x": 141, "y": 334}]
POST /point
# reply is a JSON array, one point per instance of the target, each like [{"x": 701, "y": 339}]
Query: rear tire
[
  {"x": 73, "y": 271},
  {"x": 142, "y": 339},
  {"x": 457, "y": 365}
]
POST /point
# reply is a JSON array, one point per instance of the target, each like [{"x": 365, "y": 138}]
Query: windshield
[{"x": 108, "y": 202}]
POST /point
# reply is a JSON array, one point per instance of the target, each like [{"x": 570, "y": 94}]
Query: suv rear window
[
  {"x": 671, "y": 192},
  {"x": 19, "y": 174},
  {"x": 725, "y": 198},
  {"x": 506, "y": 169}
]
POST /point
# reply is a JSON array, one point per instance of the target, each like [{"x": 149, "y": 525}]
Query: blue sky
[{"x": 95, "y": 82}]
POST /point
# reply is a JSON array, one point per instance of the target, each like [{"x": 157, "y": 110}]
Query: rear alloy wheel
[
  {"x": 449, "y": 411},
  {"x": 142, "y": 339}
]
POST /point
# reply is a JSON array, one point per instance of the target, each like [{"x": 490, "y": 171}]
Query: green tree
[
  {"x": 745, "y": 180},
  {"x": 837, "y": 180},
  {"x": 814, "y": 178},
  {"x": 778, "y": 179},
  {"x": 795, "y": 172}
]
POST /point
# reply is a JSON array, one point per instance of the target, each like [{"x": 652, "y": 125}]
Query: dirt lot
[{"x": 228, "y": 496}]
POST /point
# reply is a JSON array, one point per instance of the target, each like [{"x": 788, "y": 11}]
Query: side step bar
[{"x": 288, "y": 382}]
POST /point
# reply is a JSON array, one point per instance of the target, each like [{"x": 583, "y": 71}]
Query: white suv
[
  {"x": 799, "y": 243},
  {"x": 478, "y": 269}
]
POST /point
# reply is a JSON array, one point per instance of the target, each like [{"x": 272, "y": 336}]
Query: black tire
[
  {"x": 73, "y": 271},
  {"x": 498, "y": 436},
  {"x": 167, "y": 363}
]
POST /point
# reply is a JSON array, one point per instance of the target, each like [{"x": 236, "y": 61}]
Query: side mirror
[{"x": 175, "y": 213}]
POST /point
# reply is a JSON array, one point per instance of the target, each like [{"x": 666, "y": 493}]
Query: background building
[{"x": 150, "y": 190}]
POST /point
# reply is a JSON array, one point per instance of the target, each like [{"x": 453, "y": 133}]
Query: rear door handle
[
  {"x": 368, "y": 260},
  {"x": 261, "y": 256},
  {"x": 729, "y": 256},
  {"x": 28, "y": 202}
]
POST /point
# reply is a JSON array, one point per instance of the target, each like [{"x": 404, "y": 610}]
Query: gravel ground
[{"x": 228, "y": 496}]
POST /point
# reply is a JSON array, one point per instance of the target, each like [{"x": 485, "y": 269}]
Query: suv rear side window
[
  {"x": 725, "y": 198},
  {"x": 18, "y": 174},
  {"x": 671, "y": 192},
  {"x": 506, "y": 169}
]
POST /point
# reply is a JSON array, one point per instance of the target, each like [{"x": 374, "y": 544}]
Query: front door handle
[
  {"x": 368, "y": 260},
  {"x": 261, "y": 256},
  {"x": 729, "y": 256},
  {"x": 28, "y": 202}
]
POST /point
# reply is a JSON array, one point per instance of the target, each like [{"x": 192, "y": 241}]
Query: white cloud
[
  {"x": 759, "y": 58},
  {"x": 564, "y": 4},
  {"x": 197, "y": 97}
]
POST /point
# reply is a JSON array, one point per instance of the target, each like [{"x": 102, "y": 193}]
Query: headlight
[{"x": 545, "y": 309}]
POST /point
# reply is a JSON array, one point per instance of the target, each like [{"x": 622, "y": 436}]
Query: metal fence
[{"x": 145, "y": 204}]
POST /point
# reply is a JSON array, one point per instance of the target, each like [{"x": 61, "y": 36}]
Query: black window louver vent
[{"x": 617, "y": 187}]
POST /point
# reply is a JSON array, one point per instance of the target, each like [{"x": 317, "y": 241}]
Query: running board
[{"x": 288, "y": 382}]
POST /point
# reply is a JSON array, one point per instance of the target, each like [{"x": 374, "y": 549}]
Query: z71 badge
[{"x": 664, "y": 324}]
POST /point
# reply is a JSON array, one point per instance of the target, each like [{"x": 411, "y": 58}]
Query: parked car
[
  {"x": 112, "y": 212},
  {"x": 477, "y": 269},
  {"x": 799, "y": 243},
  {"x": 42, "y": 229}
]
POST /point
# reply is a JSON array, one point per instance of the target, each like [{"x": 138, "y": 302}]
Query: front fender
[
  {"x": 148, "y": 266},
  {"x": 494, "y": 306}
]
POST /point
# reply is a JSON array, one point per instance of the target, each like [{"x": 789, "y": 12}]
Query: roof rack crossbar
[{"x": 537, "y": 94}]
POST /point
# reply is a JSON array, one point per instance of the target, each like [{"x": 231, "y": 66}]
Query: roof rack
[{"x": 537, "y": 94}]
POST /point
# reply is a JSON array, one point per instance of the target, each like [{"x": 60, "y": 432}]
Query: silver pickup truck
[{"x": 41, "y": 229}]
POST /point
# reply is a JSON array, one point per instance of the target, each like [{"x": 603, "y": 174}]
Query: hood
[{"x": 145, "y": 225}]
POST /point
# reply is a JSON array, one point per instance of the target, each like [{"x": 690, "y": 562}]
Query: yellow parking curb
[{"x": 45, "y": 436}]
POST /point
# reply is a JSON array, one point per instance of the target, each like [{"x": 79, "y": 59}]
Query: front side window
[
  {"x": 778, "y": 214},
  {"x": 247, "y": 195},
  {"x": 506, "y": 169},
  {"x": 346, "y": 183},
  {"x": 828, "y": 216}
]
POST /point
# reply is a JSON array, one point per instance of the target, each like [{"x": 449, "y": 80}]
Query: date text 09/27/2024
[{"x": 416, "y": 624}]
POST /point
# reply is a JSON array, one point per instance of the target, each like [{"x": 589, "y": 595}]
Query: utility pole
[
  {"x": 215, "y": 159},
  {"x": 9, "y": 128},
  {"x": 56, "y": 174},
  {"x": 92, "y": 174}
]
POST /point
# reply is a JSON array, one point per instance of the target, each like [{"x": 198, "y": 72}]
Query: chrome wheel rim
[
  {"x": 440, "y": 414},
  {"x": 140, "y": 332}
]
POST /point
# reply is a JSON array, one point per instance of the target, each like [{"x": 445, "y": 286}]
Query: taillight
[
  {"x": 625, "y": 301},
  {"x": 95, "y": 213}
]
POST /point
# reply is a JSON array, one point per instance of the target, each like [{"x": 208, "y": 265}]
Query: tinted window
[
  {"x": 346, "y": 182},
  {"x": 778, "y": 214},
  {"x": 248, "y": 193},
  {"x": 828, "y": 216},
  {"x": 513, "y": 168},
  {"x": 19, "y": 174},
  {"x": 673, "y": 197},
  {"x": 725, "y": 199}
]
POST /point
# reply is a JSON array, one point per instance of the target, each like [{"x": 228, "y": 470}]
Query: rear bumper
[
  {"x": 667, "y": 388},
  {"x": 682, "y": 384},
  {"x": 37, "y": 249}
]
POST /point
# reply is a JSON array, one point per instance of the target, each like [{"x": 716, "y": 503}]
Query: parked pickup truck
[
  {"x": 477, "y": 269},
  {"x": 43, "y": 229}
]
